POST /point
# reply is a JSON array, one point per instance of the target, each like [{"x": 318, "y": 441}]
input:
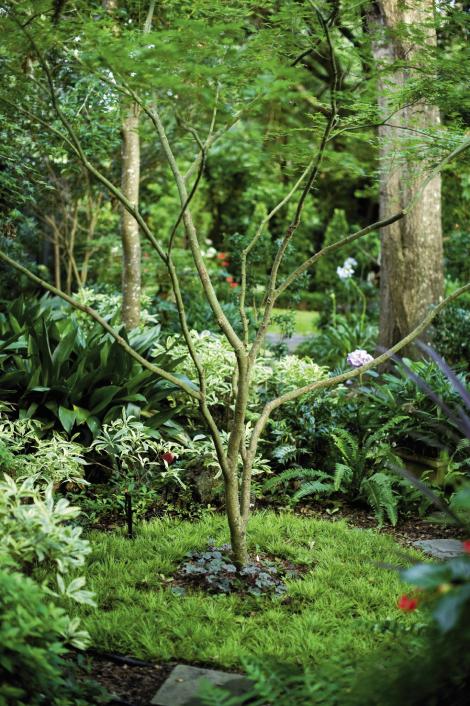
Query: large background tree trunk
[{"x": 411, "y": 253}]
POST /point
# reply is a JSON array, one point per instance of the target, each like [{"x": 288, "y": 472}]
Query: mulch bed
[
  {"x": 407, "y": 530},
  {"x": 132, "y": 684}
]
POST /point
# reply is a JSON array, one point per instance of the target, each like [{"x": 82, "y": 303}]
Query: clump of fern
[{"x": 359, "y": 472}]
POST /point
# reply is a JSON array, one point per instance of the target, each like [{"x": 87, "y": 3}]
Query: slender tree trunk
[
  {"x": 411, "y": 254},
  {"x": 131, "y": 265},
  {"x": 69, "y": 239},
  {"x": 131, "y": 258},
  {"x": 93, "y": 206},
  {"x": 130, "y": 176},
  {"x": 56, "y": 250},
  {"x": 236, "y": 523}
]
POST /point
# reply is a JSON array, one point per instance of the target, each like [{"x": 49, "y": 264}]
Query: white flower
[
  {"x": 359, "y": 357},
  {"x": 347, "y": 270},
  {"x": 344, "y": 272}
]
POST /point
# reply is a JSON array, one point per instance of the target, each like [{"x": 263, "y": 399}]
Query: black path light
[{"x": 128, "y": 511}]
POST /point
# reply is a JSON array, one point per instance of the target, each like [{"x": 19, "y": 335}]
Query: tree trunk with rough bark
[{"x": 411, "y": 249}]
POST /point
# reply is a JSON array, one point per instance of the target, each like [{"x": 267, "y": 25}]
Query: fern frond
[
  {"x": 343, "y": 475},
  {"x": 346, "y": 444},
  {"x": 292, "y": 474},
  {"x": 386, "y": 428},
  {"x": 379, "y": 492},
  {"x": 313, "y": 487},
  {"x": 285, "y": 454},
  {"x": 463, "y": 445}
]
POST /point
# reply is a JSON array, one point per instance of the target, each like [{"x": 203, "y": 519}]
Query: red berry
[
  {"x": 168, "y": 457},
  {"x": 466, "y": 546}
]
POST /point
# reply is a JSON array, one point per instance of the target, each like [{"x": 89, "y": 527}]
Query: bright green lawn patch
[
  {"x": 305, "y": 321},
  {"x": 332, "y": 610}
]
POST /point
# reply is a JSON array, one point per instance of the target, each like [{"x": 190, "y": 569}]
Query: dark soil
[
  {"x": 407, "y": 530},
  {"x": 130, "y": 684}
]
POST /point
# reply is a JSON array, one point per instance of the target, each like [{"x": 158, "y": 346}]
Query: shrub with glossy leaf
[
  {"x": 136, "y": 451},
  {"x": 217, "y": 359},
  {"x": 74, "y": 378},
  {"x": 33, "y": 633}
]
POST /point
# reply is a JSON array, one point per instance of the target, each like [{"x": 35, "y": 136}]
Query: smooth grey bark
[
  {"x": 131, "y": 284},
  {"x": 411, "y": 275},
  {"x": 131, "y": 255}
]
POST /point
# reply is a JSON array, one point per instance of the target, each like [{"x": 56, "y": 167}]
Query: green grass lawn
[
  {"x": 333, "y": 609},
  {"x": 305, "y": 321}
]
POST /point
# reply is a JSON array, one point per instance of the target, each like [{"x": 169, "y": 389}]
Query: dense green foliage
[
  {"x": 35, "y": 531},
  {"x": 270, "y": 115},
  {"x": 73, "y": 376}
]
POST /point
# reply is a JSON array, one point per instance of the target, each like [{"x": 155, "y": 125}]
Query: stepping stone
[
  {"x": 181, "y": 687},
  {"x": 440, "y": 548},
  {"x": 292, "y": 343}
]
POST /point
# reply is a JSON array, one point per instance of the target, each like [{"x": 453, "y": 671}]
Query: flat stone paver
[
  {"x": 181, "y": 687},
  {"x": 440, "y": 548},
  {"x": 292, "y": 343}
]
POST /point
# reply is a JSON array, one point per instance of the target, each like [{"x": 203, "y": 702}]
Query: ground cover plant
[{"x": 337, "y": 606}]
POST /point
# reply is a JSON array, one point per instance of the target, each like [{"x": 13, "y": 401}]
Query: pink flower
[
  {"x": 225, "y": 263},
  {"x": 407, "y": 604},
  {"x": 222, "y": 255},
  {"x": 229, "y": 279},
  {"x": 359, "y": 357},
  {"x": 234, "y": 284}
]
